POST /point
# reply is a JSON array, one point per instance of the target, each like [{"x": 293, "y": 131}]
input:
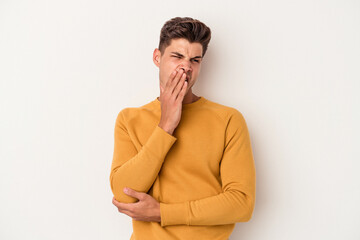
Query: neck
[{"x": 190, "y": 97}]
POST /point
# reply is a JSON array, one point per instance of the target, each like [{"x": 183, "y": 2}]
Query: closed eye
[{"x": 192, "y": 59}]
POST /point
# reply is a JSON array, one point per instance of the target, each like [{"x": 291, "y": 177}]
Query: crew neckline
[{"x": 198, "y": 102}]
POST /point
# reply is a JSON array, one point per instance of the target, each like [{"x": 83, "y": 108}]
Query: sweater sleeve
[
  {"x": 136, "y": 169},
  {"x": 237, "y": 170}
]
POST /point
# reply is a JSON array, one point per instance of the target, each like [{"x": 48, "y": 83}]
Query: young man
[{"x": 186, "y": 160}]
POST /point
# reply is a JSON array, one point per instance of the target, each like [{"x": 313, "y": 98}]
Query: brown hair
[{"x": 184, "y": 27}]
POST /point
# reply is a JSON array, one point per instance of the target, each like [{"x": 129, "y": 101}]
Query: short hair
[{"x": 184, "y": 27}]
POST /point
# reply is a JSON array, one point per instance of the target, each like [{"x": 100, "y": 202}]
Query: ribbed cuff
[
  {"x": 174, "y": 213},
  {"x": 160, "y": 142}
]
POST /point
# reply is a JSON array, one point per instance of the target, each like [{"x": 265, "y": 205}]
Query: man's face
[{"x": 179, "y": 54}]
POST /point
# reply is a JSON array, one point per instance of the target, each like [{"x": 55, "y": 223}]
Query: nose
[{"x": 186, "y": 67}]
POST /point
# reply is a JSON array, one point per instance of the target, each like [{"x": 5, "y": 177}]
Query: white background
[{"x": 68, "y": 67}]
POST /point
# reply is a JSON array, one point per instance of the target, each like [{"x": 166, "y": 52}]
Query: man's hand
[
  {"x": 146, "y": 209},
  {"x": 171, "y": 98}
]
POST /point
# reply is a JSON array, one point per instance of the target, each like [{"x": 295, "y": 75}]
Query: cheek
[{"x": 196, "y": 72}]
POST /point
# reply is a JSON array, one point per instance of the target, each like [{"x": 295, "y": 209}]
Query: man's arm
[
  {"x": 137, "y": 170},
  {"x": 236, "y": 202}
]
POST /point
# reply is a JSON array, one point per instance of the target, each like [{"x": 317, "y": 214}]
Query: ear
[{"x": 157, "y": 57}]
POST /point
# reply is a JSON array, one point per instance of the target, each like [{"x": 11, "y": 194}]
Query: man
[{"x": 187, "y": 161}]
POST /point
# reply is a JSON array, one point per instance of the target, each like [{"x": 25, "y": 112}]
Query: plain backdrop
[{"x": 68, "y": 67}]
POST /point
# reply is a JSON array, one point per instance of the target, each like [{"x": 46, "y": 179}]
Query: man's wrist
[{"x": 166, "y": 129}]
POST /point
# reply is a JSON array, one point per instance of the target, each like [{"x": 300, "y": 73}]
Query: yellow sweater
[{"x": 203, "y": 175}]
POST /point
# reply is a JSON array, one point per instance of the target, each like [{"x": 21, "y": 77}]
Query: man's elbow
[
  {"x": 246, "y": 212},
  {"x": 117, "y": 187},
  {"x": 248, "y": 215}
]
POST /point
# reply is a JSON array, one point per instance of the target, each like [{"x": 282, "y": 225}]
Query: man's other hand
[{"x": 146, "y": 209}]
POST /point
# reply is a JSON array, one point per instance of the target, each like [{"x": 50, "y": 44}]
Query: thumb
[
  {"x": 161, "y": 89},
  {"x": 132, "y": 193}
]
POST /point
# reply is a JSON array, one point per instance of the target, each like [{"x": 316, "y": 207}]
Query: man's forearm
[
  {"x": 137, "y": 170},
  {"x": 224, "y": 208}
]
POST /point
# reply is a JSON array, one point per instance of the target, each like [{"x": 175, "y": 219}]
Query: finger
[
  {"x": 171, "y": 78},
  {"x": 121, "y": 205},
  {"x": 131, "y": 192},
  {"x": 176, "y": 81},
  {"x": 182, "y": 91},
  {"x": 126, "y": 211},
  {"x": 180, "y": 84}
]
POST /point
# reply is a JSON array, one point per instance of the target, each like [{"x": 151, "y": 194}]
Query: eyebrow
[{"x": 179, "y": 54}]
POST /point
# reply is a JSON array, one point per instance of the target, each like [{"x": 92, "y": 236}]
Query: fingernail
[{"x": 125, "y": 190}]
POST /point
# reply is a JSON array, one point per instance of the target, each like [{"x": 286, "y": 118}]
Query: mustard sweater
[{"x": 203, "y": 175}]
